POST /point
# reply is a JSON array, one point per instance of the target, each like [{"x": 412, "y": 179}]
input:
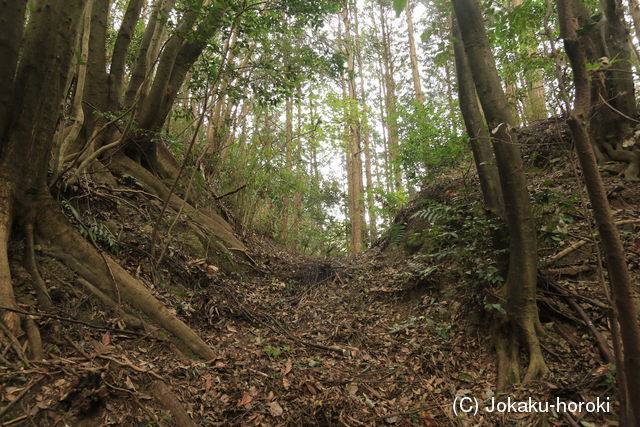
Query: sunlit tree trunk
[
  {"x": 413, "y": 56},
  {"x": 366, "y": 134},
  {"x": 390, "y": 101},
  {"x": 288, "y": 149}
]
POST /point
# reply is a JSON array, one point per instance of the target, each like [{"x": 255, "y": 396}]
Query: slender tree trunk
[
  {"x": 356, "y": 202},
  {"x": 288, "y": 149},
  {"x": 390, "y": 103},
  {"x": 620, "y": 280},
  {"x": 121, "y": 47},
  {"x": 365, "y": 132},
  {"x": 413, "y": 56},
  {"x": 148, "y": 47}
]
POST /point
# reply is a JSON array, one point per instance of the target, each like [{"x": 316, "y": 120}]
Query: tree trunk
[
  {"x": 413, "y": 56},
  {"x": 288, "y": 148},
  {"x": 477, "y": 130},
  {"x": 521, "y": 281},
  {"x": 366, "y": 133},
  {"x": 12, "y": 15},
  {"x": 121, "y": 47},
  {"x": 390, "y": 102},
  {"x": 356, "y": 202},
  {"x": 620, "y": 280},
  {"x": 40, "y": 88}
]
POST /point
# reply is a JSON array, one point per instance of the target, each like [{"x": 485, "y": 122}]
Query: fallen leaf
[
  {"x": 287, "y": 367},
  {"x": 106, "y": 338},
  {"x": 275, "y": 409},
  {"x": 352, "y": 388},
  {"x": 246, "y": 398}
]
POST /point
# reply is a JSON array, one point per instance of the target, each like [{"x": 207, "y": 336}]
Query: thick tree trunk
[
  {"x": 123, "y": 40},
  {"x": 619, "y": 277},
  {"x": 522, "y": 277},
  {"x": 12, "y": 14},
  {"x": 477, "y": 131}
]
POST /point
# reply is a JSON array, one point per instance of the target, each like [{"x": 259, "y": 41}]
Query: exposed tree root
[
  {"x": 7, "y": 297},
  {"x": 528, "y": 325},
  {"x": 632, "y": 158},
  {"x": 507, "y": 353},
  {"x": 130, "y": 320},
  {"x": 107, "y": 275},
  {"x": 169, "y": 400},
  {"x": 30, "y": 263},
  {"x": 213, "y": 225},
  {"x": 33, "y": 336}
]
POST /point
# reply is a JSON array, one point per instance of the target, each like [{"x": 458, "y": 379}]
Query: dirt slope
[{"x": 367, "y": 340}]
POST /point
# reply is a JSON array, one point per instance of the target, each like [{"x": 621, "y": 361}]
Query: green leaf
[
  {"x": 399, "y": 5},
  {"x": 497, "y": 307}
]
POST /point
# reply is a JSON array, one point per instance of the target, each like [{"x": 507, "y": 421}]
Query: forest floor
[
  {"x": 349, "y": 344},
  {"x": 301, "y": 341}
]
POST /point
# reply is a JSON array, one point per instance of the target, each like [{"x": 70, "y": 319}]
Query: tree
[
  {"x": 390, "y": 101},
  {"x": 354, "y": 151},
  {"x": 520, "y": 286},
  {"x": 477, "y": 130},
  {"x": 38, "y": 89},
  {"x": 415, "y": 70},
  {"x": 620, "y": 280}
]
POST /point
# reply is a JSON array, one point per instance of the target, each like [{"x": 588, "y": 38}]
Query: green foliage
[
  {"x": 391, "y": 201},
  {"x": 275, "y": 352},
  {"x": 399, "y": 5},
  {"x": 457, "y": 239},
  {"x": 554, "y": 210},
  {"x": 431, "y": 140},
  {"x": 96, "y": 232},
  {"x": 397, "y": 233}
]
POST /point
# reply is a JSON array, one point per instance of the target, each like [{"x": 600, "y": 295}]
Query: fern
[
  {"x": 434, "y": 213},
  {"x": 397, "y": 233}
]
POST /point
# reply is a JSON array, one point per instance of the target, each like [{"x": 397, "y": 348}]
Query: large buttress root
[
  {"x": 213, "y": 225},
  {"x": 100, "y": 270}
]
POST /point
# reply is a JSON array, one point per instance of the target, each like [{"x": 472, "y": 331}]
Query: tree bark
[
  {"x": 521, "y": 281},
  {"x": 12, "y": 16},
  {"x": 390, "y": 102},
  {"x": 120, "y": 49},
  {"x": 413, "y": 56},
  {"x": 619, "y": 278},
  {"x": 477, "y": 130},
  {"x": 366, "y": 134},
  {"x": 354, "y": 159}
]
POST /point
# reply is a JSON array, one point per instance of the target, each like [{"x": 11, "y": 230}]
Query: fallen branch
[
  {"x": 600, "y": 340},
  {"x": 77, "y": 322},
  {"x": 24, "y": 391},
  {"x": 581, "y": 243},
  {"x": 243, "y": 186}
]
